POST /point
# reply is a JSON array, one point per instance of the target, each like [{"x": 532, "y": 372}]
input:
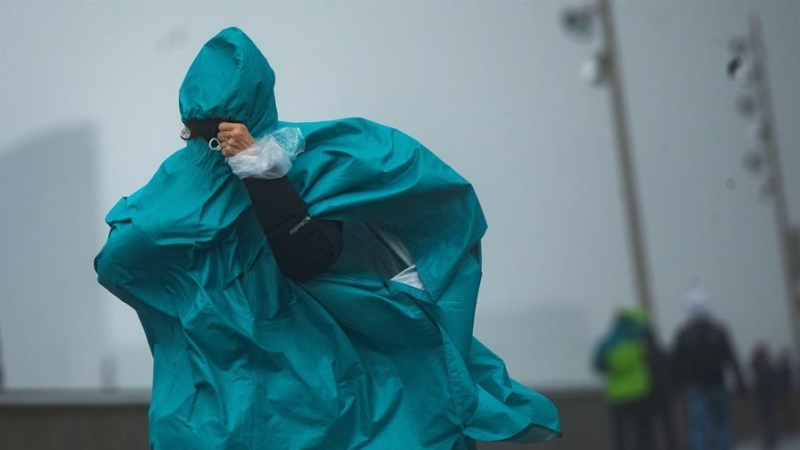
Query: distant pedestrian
[
  {"x": 622, "y": 356},
  {"x": 703, "y": 353}
]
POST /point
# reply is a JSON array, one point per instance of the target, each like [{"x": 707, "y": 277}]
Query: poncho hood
[{"x": 230, "y": 79}]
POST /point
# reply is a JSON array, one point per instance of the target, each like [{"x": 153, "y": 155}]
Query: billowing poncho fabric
[{"x": 245, "y": 358}]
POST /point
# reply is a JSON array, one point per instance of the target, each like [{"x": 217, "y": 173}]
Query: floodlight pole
[
  {"x": 641, "y": 278},
  {"x": 776, "y": 186}
]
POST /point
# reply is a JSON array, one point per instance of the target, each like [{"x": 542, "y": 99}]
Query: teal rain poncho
[{"x": 245, "y": 358}]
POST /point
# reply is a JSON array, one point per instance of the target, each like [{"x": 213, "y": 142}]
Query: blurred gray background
[{"x": 88, "y": 110}]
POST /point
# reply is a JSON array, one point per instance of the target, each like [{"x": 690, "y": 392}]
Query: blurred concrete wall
[{"x": 119, "y": 421}]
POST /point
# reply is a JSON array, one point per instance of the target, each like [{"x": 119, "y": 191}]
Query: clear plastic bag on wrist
[{"x": 270, "y": 157}]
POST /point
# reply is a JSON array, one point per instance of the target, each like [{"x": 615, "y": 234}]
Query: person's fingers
[
  {"x": 233, "y": 129},
  {"x": 233, "y": 147},
  {"x": 224, "y": 135}
]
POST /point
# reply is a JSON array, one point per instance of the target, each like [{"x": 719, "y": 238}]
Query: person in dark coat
[{"x": 702, "y": 355}]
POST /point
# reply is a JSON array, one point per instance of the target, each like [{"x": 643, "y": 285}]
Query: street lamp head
[
  {"x": 578, "y": 22},
  {"x": 733, "y": 66},
  {"x": 754, "y": 162},
  {"x": 746, "y": 106},
  {"x": 743, "y": 70},
  {"x": 758, "y": 132},
  {"x": 595, "y": 69}
]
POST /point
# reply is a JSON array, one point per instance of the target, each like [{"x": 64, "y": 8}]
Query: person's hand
[{"x": 234, "y": 138}]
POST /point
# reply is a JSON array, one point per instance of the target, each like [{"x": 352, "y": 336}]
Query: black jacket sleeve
[{"x": 303, "y": 246}]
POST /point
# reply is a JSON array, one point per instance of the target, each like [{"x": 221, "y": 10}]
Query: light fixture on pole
[{"x": 579, "y": 21}]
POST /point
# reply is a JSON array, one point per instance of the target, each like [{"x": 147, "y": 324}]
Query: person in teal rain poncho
[{"x": 314, "y": 290}]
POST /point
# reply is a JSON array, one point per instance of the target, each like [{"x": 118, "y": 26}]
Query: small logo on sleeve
[{"x": 302, "y": 223}]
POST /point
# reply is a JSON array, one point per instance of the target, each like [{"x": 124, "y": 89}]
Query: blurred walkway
[{"x": 791, "y": 443}]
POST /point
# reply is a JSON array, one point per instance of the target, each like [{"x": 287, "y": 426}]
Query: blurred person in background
[
  {"x": 703, "y": 352},
  {"x": 622, "y": 356},
  {"x": 766, "y": 389},
  {"x": 786, "y": 387}
]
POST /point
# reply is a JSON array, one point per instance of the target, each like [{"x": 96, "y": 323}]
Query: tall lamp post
[
  {"x": 604, "y": 67},
  {"x": 748, "y": 65}
]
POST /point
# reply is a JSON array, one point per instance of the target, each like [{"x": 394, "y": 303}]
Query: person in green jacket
[{"x": 622, "y": 357}]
